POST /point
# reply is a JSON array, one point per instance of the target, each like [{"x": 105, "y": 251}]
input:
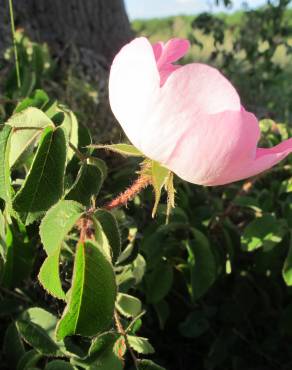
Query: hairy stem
[{"x": 128, "y": 194}]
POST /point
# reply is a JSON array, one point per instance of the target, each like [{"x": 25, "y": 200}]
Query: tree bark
[
  {"x": 83, "y": 34},
  {"x": 99, "y": 25}
]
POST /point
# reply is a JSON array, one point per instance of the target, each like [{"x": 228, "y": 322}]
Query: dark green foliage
[
  {"x": 23, "y": 141},
  {"x": 20, "y": 254},
  {"x": 13, "y": 346},
  {"x": 61, "y": 218},
  {"x": 44, "y": 183},
  {"x": 87, "y": 184},
  {"x": 203, "y": 267},
  {"x": 5, "y": 186},
  {"x": 92, "y": 296},
  {"x": 128, "y": 306},
  {"x": 49, "y": 275},
  {"x": 36, "y": 326},
  {"x": 59, "y": 365},
  {"x": 110, "y": 228}
]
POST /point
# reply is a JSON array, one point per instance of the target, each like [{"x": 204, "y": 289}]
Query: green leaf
[
  {"x": 248, "y": 202},
  {"x": 44, "y": 183},
  {"x": 13, "y": 346},
  {"x": 158, "y": 281},
  {"x": 108, "y": 360},
  {"x": 92, "y": 296},
  {"x": 23, "y": 140},
  {"x": 123, "y": 149},
  {"x": 105, "y": 353},
  {"x": 132, "y": 273},
  {"x": 59, "y": 365},
  {"x": 57, "y": 223},
  {"x": 29, "y": 360},
  {"x": 287, "y": 268},
  {"x": 130, "y": 252},
  {"x": 265, "y": 231},
  {"x": 20, "y": 257},
  {"x": 101, "y": 239},
  {"x": 37, "y": 327},
  {"x": 5, "y": 144},
  {"x": 3, "y": 224},
  {"x": 139, "y": 267},
  {"x": 140, "y": 344},
  {"x": 286, "y": 186},
  {"x": 86, "y": 185},
  {"x": 70, "y": 126},
  {"x": 101, "y": 342},
  {"x": 99, "y": 163},
  {"x": 51, "y": 108},
  {"x": 148, "y": 365},
  {"x": 160, "y": 176},
  {"x": 202, "y": 264},
  {"x": 38, "y": 99},
  {"x": 55, "y": 226},
  {"x": 8, "y": 257},
  {"x": 128, "y": 305},
  {"x": 110, "y": 228},
  {"x": 49, "y": 276},
  {"x": 84, "y": 138}
]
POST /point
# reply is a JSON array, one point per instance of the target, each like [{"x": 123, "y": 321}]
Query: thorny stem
[
  {"x": 84, "y": 225},
  {"x": 122, "y": 331},
  {"x": 14, "y": 44},
  {"x": 122, "y": 199}
]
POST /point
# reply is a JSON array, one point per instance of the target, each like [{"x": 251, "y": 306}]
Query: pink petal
[
  {"x": 166, "y": 54},
  {"x": 157, "y": 50},
  {"x": 217, "y": 149},
  {"x": 265, "y": 158},
  {"x": 166, "y": 71},
  {"x": 173, "y": 50},
  {"x": 134, "y": 79},
  {"x": 194, "y": 123}
]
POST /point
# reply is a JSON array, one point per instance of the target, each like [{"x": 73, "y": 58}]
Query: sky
[{"x": 164, "y": 8}]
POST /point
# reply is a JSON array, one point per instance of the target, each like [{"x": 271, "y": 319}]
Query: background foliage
[{"x": 209, "y": 290}]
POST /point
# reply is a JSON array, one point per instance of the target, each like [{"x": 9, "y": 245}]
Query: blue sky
[{"x": 163, "y": 8}]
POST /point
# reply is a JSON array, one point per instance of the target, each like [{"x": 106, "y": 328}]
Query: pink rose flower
[{"x": 189, "y": 118}]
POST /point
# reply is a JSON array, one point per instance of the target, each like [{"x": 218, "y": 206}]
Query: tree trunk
[
  {"x": 85, "y": 34},
  {"x": 99, "y": 25}
]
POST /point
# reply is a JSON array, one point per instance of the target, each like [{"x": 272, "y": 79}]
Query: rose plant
[{"x": 56, "y": 205}]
